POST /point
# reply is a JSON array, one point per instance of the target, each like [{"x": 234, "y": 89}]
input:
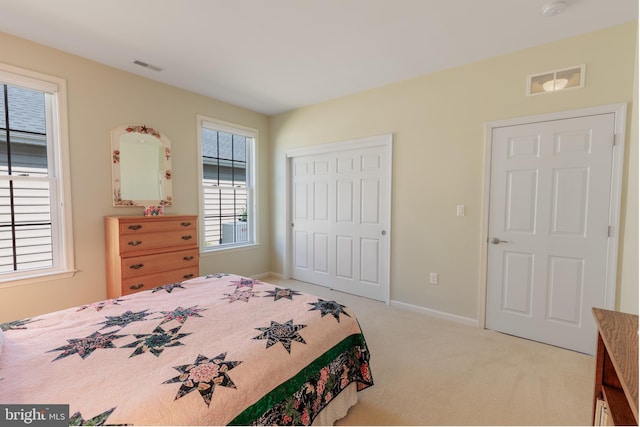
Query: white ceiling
[{"x": 272, "y": 56}]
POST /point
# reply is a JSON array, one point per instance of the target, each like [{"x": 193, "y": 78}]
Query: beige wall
[
  {"x": 438, "y": 125},
  {"x": 628, "y": 291},
  {"x": 437, "y": 121},
  {"x": 101, "y": 98}
]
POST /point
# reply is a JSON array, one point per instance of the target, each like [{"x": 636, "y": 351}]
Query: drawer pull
[
  {"x": 135, "y": 227},
  {"x": 188, "y": 258},
  {"x": 136, "y": 287},
  {"x": 188, "y": 276},
  {"x": 135, "y": 242},
  {"x": 185, "y": 224},
  {"x": 186, "y": 237},
  {"x": 136, "y": 266}
]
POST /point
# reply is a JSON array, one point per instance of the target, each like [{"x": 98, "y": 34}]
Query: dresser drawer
[
  {"x": 150, "y": 281},
  {"x": 162, "y": 239},
  {"x": 147, "y": 264},
  {"x": 145, "y": 225}
]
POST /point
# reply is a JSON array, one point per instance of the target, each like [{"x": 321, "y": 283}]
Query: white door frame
[
  {"x": 620, "y": 114},
  {"x": 385, "y": 140}
]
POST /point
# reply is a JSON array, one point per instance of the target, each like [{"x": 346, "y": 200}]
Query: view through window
[
  {"x": 227, "y": 186},
  {"x": 25, "y": 185}
]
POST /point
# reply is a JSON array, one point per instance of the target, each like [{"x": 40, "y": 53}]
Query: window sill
[
  {"x": 24, "y": 279},
  {"x": 210, "y": 250}
]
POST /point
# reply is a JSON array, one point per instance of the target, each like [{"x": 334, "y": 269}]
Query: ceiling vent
[
  {"x": 555, "y": 81},
  {"x": 146, "y": 65}
]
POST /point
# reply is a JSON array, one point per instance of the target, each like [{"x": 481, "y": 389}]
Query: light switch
[{"x": 460, "y": 210}]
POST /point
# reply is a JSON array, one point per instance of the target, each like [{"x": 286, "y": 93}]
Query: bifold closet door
[{"x": 340, "y": 220}]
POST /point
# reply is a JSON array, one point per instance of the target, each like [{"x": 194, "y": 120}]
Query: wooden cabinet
[
  {"x": 146, "y": 252},
  {"x": 615, "y": 399}
]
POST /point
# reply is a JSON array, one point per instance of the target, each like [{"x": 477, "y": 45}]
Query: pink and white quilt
[{"x": 215, "y": 350}]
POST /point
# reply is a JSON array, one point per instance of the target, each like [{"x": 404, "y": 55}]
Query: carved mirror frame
[{"x": 143, "y": 135}]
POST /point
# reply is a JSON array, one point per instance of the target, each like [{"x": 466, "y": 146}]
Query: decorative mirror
[{"x": 141, "y": 167}]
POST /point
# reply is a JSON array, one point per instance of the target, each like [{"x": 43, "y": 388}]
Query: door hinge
[{"x": 609, "y": 231}]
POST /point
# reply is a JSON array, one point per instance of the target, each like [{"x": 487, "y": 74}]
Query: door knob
[{"x": 497, "y": 241}]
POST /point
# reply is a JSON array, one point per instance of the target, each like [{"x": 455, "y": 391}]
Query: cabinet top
[
  {"x": 150, "y": 218},
  {"x": 619, "y": 332}
]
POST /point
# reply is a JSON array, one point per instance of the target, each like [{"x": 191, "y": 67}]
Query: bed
[{"x": 215, "y": 350}]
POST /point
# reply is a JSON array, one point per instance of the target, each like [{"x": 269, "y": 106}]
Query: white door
[
  {"x": 548, "y": 229},
  {"x": 340, "y": 220},
  {"x": 310, "y": 216}
]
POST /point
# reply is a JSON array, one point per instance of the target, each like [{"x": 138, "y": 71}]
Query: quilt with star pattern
[{"x": 215, "y": 350}]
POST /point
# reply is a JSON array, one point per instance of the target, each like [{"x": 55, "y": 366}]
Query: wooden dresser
[
  {"x": 146, "y": 252},
  {"x": 615, "y": 400}
]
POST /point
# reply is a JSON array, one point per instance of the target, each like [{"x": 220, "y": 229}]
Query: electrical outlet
[{"x": 433, "y": 278}]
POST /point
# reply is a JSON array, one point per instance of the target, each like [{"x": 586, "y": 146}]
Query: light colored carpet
[{"x": 429, "y": 371}]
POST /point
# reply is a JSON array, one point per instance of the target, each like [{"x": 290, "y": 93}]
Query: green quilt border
[{"x": 289, "y": 387}]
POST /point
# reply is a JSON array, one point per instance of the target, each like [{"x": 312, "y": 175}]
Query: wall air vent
[
  {"x": 558, "y": 80},
  {"x": 147, "y": 65}
]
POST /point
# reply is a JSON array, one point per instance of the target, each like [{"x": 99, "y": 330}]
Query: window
[
  {"x": 35, "y": 227},
  {"x": 227, "y": 191}
]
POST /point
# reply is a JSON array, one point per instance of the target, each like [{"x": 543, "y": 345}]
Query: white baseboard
[
  {"x": 268, "y": 274},
  {"x": 403, "y": 305},
  {"x": 435, "y": 313}
]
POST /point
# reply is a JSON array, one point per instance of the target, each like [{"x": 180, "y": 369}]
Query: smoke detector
[{"x": 554, "y": 8}]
